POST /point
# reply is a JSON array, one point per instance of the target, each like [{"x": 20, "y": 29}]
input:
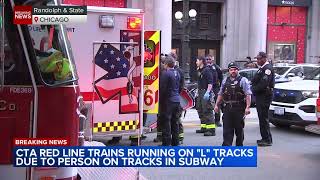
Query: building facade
[
  {"x": 229, "y": 30},
  {"x": 288, "y": 30}
]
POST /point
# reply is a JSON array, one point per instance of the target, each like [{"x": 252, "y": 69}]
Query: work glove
[{"x": 206, "y": 96}]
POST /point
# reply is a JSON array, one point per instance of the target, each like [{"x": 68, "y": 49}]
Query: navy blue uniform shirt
[
  {"x": 170, "y": 81},
  {"x": 205, "y": 78}
]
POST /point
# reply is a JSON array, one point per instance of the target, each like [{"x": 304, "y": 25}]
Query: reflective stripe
[
  {"x": 159, "y": 133},
  {"x": 181, "y": 135},
  {"x": 115, "y": 126},
  {"x": 211, "y": 126},
  {"x": 203, "y": 125}
]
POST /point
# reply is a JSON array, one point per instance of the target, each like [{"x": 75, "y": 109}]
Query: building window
[
  {"x": 201, "y": 52},
  {"x": 213, "y": 53},
  {"x": 282, "y": 52},
  {"x": 204, "y": 21}
]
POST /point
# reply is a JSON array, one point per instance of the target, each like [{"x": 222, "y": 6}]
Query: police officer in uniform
[
  {"x": 170, "y": 82},
  {"x": 262, "y": 88},
  {"x": 236, "y": 95},
  {"x": 205, "y": 98}
]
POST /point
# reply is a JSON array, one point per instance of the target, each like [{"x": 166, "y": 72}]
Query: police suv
[{"x": 294, "y": 102}]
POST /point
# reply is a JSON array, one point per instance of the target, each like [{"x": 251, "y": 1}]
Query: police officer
[
  {"x": 205, "y": 95},
  {"x": 217, "y": 80},
  {"x": 236, "y": 94},
  {"x": 170, "y": 82},
  {"x": 262, "y": 87}
]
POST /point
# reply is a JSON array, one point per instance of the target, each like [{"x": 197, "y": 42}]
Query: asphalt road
[{"x": 295, "y": 155}]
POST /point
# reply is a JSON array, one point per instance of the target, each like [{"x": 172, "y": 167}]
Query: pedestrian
[
  {"x": 205, "y": 98},
  {"x": 170, "y": 81},
  {"x": 235, "y": 93},
  {"x": 217, "y": 72},
  {"x": 262, "y": 88}
]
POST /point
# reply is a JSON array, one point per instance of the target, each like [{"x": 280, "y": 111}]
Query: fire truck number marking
[
  {"x": 150, "y": 77},
  {"x": 5, "y": 106},
  {"x": 148, "y": 97},
  {"x": 20, "y": 90}
]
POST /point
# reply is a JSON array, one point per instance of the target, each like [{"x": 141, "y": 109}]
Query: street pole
[{"x": 185, "y": 39}]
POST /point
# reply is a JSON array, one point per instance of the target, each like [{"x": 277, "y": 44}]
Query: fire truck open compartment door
[
  {"x": 151, "y": 71},
  {"x": 110, "y": 84},
  {"x": 117, "y": 84}
]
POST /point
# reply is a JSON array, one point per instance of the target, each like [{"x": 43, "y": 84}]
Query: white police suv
[{"x": 294, "y": 102}]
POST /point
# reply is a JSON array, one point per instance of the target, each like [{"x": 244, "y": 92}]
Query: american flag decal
[{"x": 116, "y": 84}]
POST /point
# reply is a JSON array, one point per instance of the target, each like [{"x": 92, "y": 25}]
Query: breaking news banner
[
  {"x": 50, "y": 15},
  {"x": 32, "y": 153}
]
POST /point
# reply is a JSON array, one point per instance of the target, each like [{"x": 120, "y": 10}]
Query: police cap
[
  {"x": 261, "y": 55},
  {"x": 233, "y": 65}
]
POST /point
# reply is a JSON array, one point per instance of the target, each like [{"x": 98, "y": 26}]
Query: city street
[{"x": 294, "y": 155}]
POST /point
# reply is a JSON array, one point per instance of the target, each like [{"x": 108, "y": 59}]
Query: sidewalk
[{"x": 192, "y": 116}]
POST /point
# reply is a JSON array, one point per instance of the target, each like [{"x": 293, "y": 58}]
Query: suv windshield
[
  {"x": 315, "y": 75},
  {"x": 280, "y": 70}
]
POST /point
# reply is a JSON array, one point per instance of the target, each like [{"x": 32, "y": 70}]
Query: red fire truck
[{"x": 39, "y": 93}]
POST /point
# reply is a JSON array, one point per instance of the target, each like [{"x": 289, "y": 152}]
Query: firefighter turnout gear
[
  {"x": 179, "y": 112},
  {"x": 217, "y": 80},
  {"x": 170, "y": 84},
  {"x": 204, "y": 102}
]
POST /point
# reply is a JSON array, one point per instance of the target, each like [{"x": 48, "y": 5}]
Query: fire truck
[
  {"x": 118, "y": 66},
  {"x": 39, "y": 92}
]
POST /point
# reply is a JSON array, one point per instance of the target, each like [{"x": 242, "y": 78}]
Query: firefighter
[
  {"x": 205, "y": 97},
  {"x": 182, "y": 83},
  {"x": 236, "y": 94},
  {"x": 161, "y": 102},
  {"x": 217, "y": 80},
  {"x": 262, "y": 88},
  {"x": 179, "y": 113},
  {"x": 170, "y": 81}
]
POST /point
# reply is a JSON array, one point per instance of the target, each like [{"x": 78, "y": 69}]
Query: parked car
[
  {"x": 294, "y": 102},
  {"x": 292, "y": 72}
]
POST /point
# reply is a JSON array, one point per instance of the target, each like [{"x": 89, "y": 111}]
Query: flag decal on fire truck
[
  {"x": 117, "y": 81},
  {"x": 115, "y": 126}
]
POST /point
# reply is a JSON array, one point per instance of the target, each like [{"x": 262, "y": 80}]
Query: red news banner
[
  {"x": 49, "y": 15},
  {"x": 41, "y": 142}
]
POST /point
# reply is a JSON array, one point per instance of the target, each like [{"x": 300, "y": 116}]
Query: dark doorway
[{"x": 202, "y": 48}]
